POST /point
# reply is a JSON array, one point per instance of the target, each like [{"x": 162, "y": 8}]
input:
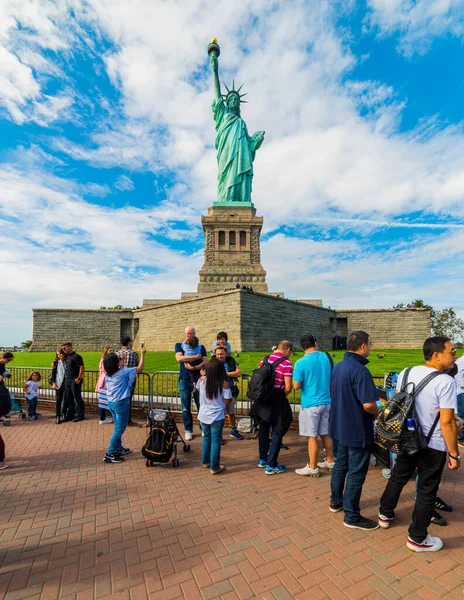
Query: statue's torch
[{"x": 213, "y": 47}]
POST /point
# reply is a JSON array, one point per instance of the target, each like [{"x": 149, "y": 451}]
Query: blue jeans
[
  {"x": 269, "y": 448},
  {"x": 31, "y": 406},
  {"x": 211, "y": 445},
  {"x": 351, "y": 465},
  {"x": 186, "y": 387},
  {"x": 120, "y": 413},
  {"x": 461, "y": 412}
]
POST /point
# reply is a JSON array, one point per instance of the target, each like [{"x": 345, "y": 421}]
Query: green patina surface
[{"x": 235, "y": 147}]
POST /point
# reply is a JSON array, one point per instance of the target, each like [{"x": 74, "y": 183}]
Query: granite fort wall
[
  {"x": 267, "y": 320},
  {"x": 87, "y": 329},
  {"x": 389, "y": 327},
  {"x": 254, "y": 322},
  {"x": 160, "y": 327}
]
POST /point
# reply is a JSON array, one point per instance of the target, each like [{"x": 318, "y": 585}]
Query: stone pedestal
[{"x": 232, "y": 249}]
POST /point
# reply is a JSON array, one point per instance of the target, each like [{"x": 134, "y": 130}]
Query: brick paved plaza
[{"x": 74, "y": 527}]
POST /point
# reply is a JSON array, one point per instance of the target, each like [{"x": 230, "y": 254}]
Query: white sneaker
[
  {"x": 3, "y": 465},
  {"x": 106, "y": 421},
  {"x": 430, "y": 544},
  {"x": 188, "y": 436},
  {"x": 326, "y": 465},
  {"x": 308, "y": 472}
]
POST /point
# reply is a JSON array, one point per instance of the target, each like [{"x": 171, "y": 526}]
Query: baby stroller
[
  {"x": 16, "y": 409},
  {"x": 163, "y": 438}
]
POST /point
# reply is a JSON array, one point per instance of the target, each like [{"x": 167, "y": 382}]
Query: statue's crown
[{"x": 234, "y": 91}]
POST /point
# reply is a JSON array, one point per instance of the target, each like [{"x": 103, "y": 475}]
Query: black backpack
[
  {"x": 391, "y": 432},
  {"x": 261, "y": 384},
  {"x": 159, "y": 444}
]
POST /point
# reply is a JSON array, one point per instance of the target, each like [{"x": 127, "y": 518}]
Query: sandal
[
  {"x": 206, "y": 466},
  {"x": 441, "y": 505},
  {"x": 220, "y": 470}
]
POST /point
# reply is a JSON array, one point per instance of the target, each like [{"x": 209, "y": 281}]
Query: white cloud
[
  {"x": 58, "y": 250},
  {"x": 352, "y": 274},
  {"x": 124, "y": 183},
  {"x": 321, "y": 162},
  {"x": 417, "y": 23}
]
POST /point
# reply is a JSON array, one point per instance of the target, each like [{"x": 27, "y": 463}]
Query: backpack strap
[
  {"x": 421, "y": 385},
  {"x": 404, "y": 383},
  {"x": 276, "y": 363},
  {"x": 432, "y": 429}
]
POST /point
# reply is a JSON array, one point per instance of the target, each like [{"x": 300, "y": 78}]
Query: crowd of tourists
[{"x": 339, "y": 405}]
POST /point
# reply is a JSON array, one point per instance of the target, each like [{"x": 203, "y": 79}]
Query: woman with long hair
[
  {"x": 57, "y": 381},
  {"x": 215, "y": 393},
  {"x": 119, "y": 381},
  {"x": 100, "y": 388}
]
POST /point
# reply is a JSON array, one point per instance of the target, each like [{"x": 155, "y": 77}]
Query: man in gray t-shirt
[{"x": 436, "y": 400}]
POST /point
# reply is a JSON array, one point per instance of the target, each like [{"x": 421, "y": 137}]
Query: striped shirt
[{"x": 285, "y": 369}]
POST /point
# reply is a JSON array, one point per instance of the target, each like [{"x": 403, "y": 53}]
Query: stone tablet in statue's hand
[{"x": 256, "y": 140}]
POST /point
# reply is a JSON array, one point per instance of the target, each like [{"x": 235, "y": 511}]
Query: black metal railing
[{"x": 158, "y": 390}]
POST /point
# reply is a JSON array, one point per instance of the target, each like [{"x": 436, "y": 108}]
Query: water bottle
[{"x": 411, "y": 424}]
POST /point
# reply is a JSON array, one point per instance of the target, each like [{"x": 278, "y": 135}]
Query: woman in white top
[{"x": 215, "y": 393}]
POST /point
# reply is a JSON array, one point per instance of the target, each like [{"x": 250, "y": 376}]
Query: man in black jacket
[{"x": 74, "y": 374}]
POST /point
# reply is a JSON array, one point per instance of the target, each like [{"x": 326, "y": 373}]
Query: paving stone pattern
[{"x": 74, "y": 527}]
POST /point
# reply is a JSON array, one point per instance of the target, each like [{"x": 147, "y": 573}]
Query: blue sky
[{"x": 107, "y": 159}]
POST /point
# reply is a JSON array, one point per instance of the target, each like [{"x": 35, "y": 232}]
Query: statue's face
[{"x": 233, "y": 102}]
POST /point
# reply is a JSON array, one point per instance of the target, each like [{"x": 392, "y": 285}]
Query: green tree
[
  {"x": 446, "y": 322},
  {"x": 414, "y": 304},
  {"x": 442, "y": 322},
  {"x": 26, "y": 344}
]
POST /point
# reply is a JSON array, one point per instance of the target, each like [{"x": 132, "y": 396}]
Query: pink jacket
[{"x": 101, "y": 378}]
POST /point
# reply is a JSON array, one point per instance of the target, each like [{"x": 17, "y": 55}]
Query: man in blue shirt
[
  {"x": 312, "y": 375},
  {"x": 353, "y": 411}
]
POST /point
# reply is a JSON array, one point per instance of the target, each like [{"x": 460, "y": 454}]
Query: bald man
[{"x": 191, "y": 355}]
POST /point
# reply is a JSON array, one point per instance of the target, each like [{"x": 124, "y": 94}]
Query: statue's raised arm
[
  {"x": 213, "y": 60},
  {"x": 235, "y": 148}
]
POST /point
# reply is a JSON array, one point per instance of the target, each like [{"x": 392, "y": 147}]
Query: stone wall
[
  {"x": 160, "y": 327},
  {"x": 267, "y": 320},
  {"x": 87, "y": 329},
  {"x": 254, "y": 322},
  {"x": 389, "y": 327}
]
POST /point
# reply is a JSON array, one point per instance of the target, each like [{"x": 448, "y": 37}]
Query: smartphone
[{"x": 143, "y": 344}]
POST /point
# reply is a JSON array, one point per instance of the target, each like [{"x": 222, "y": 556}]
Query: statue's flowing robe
[{"x": 235, "y": 155}]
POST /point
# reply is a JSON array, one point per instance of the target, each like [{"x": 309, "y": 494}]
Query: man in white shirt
[
  {"x": 460, "y": 385},
  {"x": 438, "y": 397}
]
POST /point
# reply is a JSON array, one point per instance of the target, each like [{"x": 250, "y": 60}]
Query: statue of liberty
[{"x": 235, "y": 148}]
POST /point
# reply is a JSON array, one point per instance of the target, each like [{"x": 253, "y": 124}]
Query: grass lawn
[{"x": 395, "y": 360}]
